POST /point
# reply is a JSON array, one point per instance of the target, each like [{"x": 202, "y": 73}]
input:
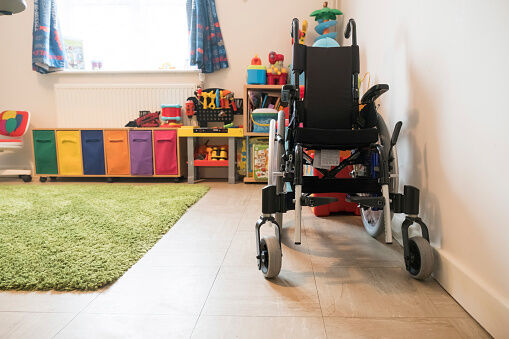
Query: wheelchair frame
[{"x": 286, "y": 160}]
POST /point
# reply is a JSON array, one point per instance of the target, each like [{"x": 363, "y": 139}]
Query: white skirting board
[
  {"x": 474, "y": 295},
  {"x": 113, "y": 105}
]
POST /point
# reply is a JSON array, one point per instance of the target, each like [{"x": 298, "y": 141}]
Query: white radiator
[{"x": 113, "y": 105}]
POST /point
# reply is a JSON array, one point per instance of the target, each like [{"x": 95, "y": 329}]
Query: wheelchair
[{"x": 330, "y": 118}]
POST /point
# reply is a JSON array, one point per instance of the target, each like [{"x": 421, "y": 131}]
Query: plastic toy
[
  {"x": 276, "y": 74},
  {"x": 170, "y": 115},
  {"x": 213, "y": 105},
  {"x": 190, "y": 108},
  {"x": 145, "y": 119},
  {"x": 219, "y": 153},
  {"x": 218, "y": 98},
  {"x": 256, "y": 72},
  {"x": 326, "y": 18},
  {"x": 302, "y": 32}
]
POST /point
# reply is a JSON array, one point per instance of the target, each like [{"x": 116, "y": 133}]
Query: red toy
[
  {"x": 148, "y": 119},
  {"x": 170, "y": 115},
  {"x": 276, "y": 74},
  {"x": 190, "y": 108},
  {"x": 341, "y": 205}
]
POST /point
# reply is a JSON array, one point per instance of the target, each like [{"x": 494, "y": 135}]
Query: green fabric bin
[{"x": 45, "y": 152}]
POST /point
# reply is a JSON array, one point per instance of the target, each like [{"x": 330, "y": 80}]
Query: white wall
[
  {"x": 447, "y": 65},
  {"x": 248, "y": 27}
]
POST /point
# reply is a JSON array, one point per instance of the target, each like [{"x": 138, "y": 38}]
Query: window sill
[{"x": 101, "y": 72}]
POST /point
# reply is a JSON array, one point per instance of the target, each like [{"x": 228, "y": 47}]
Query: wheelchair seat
[{"x": 343, "y": 139}]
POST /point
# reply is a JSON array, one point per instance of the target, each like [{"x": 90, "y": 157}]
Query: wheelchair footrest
[
  {"x": 378, "y": 202},
  {"x": 340, "y": 185},
  {"x": 318, "y": 201}
]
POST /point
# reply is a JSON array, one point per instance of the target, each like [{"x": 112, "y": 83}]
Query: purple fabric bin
[{"x": 140, "y": 143}]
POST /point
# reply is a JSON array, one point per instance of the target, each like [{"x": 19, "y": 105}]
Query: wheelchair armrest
[
  {"x": 287, "y": 93},
  {"x": 373, "y": 93}
]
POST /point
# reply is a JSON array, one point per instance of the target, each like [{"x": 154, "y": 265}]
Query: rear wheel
[
  {"x": 373, "y": 218},
  {"x": 373, "y": 221}
]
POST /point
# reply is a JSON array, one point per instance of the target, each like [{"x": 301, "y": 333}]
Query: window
[{"x": 124, "y": 35}]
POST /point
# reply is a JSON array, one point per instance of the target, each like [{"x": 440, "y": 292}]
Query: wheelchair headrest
[{"x": 14, "y": 123}]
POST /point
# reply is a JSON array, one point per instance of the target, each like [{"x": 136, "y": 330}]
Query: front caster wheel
[
  {"x": 421, "y": 260},
  {"x": 43, "y": 179},
  {"x": 270, "y": 257}
]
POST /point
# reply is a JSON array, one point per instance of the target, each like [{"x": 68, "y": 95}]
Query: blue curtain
[
  {"x": 47, "y": 50},
  {"x": 206, "y": 40}
]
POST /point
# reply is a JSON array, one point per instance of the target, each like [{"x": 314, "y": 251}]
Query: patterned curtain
[
  {"x": 47, "y": 50},
  {"x": 206, "y": 40}
]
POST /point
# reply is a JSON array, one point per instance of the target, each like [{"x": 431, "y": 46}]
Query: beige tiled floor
[{"x": 200, "y": 280}]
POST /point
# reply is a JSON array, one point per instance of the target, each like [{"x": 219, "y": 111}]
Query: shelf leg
[
  {"x": 231, "y": 160},
  {"x": 191, "y": 172}
]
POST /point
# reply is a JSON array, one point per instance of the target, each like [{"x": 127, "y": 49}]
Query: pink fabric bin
[{"x": 165, "y": 151}]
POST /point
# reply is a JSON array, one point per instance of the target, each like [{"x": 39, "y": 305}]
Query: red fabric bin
[{"x": 165, "y": 151}]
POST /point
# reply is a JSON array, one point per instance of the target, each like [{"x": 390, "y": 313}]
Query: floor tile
[
  {"x": 392, "y": 328},
  {"x": 51, "y": 301},
  {"x": 259, "y": 327},
  {"x": 382, "y": 292},
  {"x": 245, "y": 292},
  {"x": 19, "y": 325},
  {"x": 157, "y": 290},
  {"x": 128, "y": 326}
]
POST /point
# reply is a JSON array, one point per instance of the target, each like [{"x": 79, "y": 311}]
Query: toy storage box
[
  {"x": 261, "y": 119},
  {"x": 121, "y": 152},
  {"x": 256, "y": 75}
]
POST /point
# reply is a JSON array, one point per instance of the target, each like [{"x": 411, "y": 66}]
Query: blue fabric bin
[{"x": 92, "y": 144}]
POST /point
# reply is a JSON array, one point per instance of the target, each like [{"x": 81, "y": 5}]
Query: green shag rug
[{"x": 82, "y": 237}]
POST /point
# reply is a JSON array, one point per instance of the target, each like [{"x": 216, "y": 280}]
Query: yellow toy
[
  {"x": 218, "y": 153},
  {"x": 212, "y": 96},
  {"x": 302, "y": 33}
]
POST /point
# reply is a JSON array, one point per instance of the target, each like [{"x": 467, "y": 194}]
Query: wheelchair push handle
[
  {"x": 395, "y": 134},
  {"x": 295, "y": 31},
  {"x": 351, "y": 27}
]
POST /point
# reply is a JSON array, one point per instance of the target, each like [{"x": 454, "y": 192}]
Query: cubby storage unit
[{"x": 120, "y": 152}]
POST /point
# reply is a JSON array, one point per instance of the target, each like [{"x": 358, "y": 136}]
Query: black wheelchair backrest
[{"x": 331, "y": 89}]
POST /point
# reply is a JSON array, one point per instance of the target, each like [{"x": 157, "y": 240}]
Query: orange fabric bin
[{"x": 116, "y": 146}]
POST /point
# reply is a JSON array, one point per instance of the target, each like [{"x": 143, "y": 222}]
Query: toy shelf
[
  {"x": 265, "y": 87},
  {"x": 251, "y": 180},
  {"x": 211, "y": 163}
]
